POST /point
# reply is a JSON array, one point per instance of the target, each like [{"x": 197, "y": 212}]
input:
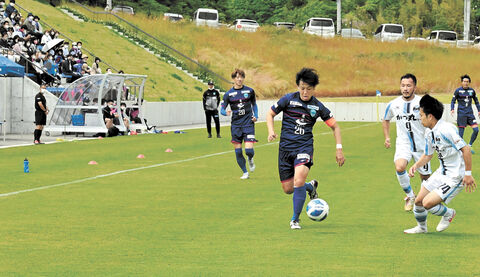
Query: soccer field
[{"x": 187, "y": 213}]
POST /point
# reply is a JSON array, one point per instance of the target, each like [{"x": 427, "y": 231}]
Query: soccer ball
[{"x": 317, "y": 209}]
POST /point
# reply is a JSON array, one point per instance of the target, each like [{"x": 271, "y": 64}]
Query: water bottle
[{"x": 25, "y": 166}]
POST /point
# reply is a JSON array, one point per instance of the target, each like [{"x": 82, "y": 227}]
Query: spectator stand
[
  {"x": 84, "y": 49},
  {"x": 79, "y": 106}
]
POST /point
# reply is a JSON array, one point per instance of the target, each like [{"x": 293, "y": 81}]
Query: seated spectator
[
  {"x": 79, "y": 49},
  {"x": 4, "y": 40},
  {"x": 67, "y": 65},
  {"x": 74, "y": 50},
  {"x": 29, "y": 27},
  {"x": 95, "y": 69},
  {"x": 18, "y": 45},
  {"x": 85, "y": 69},
  {"x": 38, "y": 26},
  {"x": 5, "y": 26},
  {"x": 18, "y": 31},
  {"x": 109, "y": 114},
  {"x": 65, "y": 49},
  {"x": 13, "y": 57},
  {"x": 31, "y": 49},
  {"x": 10, "y": 8},
  {"x": 108, "y": 71},
  {"x": 47, "y": 36},
  {"x": 126, "y": 119},
  {"x": 133, "y": 114}
]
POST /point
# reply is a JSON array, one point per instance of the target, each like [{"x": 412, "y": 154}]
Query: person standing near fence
[
  {"x": 41, "y": 112},
  {"x": 211, "y": 100}
]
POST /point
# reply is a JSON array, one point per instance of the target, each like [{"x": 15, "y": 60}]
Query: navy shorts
[
  {"x": 243, "y": 133},
  {"x": 464, "y": 120},
  {"x": 288, "y": 160}
]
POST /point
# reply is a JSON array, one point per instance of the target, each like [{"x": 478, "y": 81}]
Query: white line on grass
[{"x": 147, "y": 167}]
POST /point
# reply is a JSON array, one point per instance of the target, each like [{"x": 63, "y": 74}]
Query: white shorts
[
  {"x": 446, "y": 187},
  {"x": 403, "y": 151}
]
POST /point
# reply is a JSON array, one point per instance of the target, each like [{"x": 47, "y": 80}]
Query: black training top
[{"x": 40, "y": 98}]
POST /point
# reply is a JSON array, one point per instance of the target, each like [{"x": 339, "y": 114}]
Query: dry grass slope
[{"x": 347, "y": 67}]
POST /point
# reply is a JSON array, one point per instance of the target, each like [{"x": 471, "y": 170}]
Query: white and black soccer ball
[{"x": 317, "y": 209}]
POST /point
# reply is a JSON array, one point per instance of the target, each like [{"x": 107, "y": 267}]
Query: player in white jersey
[
  {"x": 454, "y": 172},
  {"x": 410, "y": 141}
]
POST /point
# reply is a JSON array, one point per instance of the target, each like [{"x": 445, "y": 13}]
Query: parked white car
[
  {"x": 416, "y": 39},
  {"x": 173, "y": 17},
  {"x": 389, "y": 32},
  {"x": 443, "y": 37},
  {"x": 206, "y": 17},
  {"x": 246, "y": 25},
  {"x": 323, "y": 27},
  {"x": 123, "y": 9},
  {"x": 351, "y": 33},
  {"x": 285, "y": 25}
]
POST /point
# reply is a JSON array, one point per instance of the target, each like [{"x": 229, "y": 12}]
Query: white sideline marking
[{"x": 149, "y": 166}]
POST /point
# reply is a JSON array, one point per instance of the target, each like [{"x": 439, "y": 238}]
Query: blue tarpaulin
[{"x": 10, "y": 69}]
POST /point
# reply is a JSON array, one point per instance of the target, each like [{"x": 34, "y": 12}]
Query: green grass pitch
[{"x": 187, "y": 213}]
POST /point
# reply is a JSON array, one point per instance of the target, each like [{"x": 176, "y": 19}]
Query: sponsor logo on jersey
[
  {"x": 245, "y": 91},
  {"x": 416, "y": 108},
  {"x": 250, "y": 136},
  {"x": 295, "y": 103},
  {"x": 232, "y": 94},
  {"x": 303, "y": 156},
  {"x": 240, "y": 105},
  {"x": 245, "y": 95},
  {"x": 276, "y": 105},
  {"x": 313, "y": 113},
  {"x": 301, "y": 122},
  {"x": 312, "y": 107},
  {"x": 410, "y": 117}
]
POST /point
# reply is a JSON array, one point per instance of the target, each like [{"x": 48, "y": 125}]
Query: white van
[
  {"x": 443, "y": 37},
  {"x": 323, "y": 27},
  {"x": 389, "y": 32},
  {"x": 206, "y": 17}
]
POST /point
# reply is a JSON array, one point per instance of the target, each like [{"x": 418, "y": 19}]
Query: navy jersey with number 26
[{"x": 298, "y": 120}]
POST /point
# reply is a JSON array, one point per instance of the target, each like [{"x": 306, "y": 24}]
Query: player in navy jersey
[
  {"x": 244, "y": 113},
  {"x": 295, "y": 157},
  {"x": 464, "y": 95}
]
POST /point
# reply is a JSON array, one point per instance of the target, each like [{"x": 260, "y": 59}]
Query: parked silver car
[
  {"x": 123, "y": 9},
  {"x": 246, "y": 25},
  {"x": 286, "y": 25},
  {"x": 351, "y": 33}
]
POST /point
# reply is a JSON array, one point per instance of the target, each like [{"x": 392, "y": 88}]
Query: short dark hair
[
  {"x": 409, "y": 76},
  {"x": 465, "y": 76},
  {"x": 432, "y": 106},
  {"x": 307, "y": 75},
  {"x": 238, "y": 71}
]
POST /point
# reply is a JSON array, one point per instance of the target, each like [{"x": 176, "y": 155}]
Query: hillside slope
[{"x": 271, "y": 57}]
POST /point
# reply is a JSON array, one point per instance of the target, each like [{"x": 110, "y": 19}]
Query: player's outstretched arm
[
  {"x": 271, "y": 130},
  {"x": 338, "y": 140},
  {"x": 468, "y": 180},
  {"x": 386, "y": 132},
  {"x": 424, "y": 159}
]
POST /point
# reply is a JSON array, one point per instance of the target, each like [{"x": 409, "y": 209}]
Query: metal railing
[{"x": 193, "y": 66}]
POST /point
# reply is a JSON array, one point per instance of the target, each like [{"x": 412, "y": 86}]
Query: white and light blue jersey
[
  {"x": 444, "y": 139},
  {"x": 409, "y": 127}
]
